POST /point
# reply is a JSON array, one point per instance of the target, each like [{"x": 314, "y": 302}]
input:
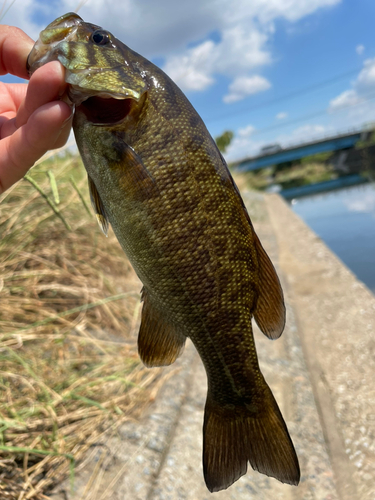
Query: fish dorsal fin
[
  {"x": 159, "y": 343},
  {"x": 270, "y": 309},
  {"x": 98, "y": 207}
]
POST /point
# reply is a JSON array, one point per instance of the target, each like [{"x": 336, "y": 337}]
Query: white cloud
[
  {"x": 238, "y": 51},
  {"x": 366, "y": 78},
  {"x": 193, "y": 70},
  {"x": 168, "y": 29},
  {"x": 163, "y": 27},
  {"x": 282, "y": 115},
  {"x": 359, "y": 49},
  {"x": 268, "y": 10},
  {"x": 243, "y": 86},
  {"x": 345, "y": 99},
  {"x": 246, "y": 144},
  {"x": 308, "y": 130},
  {"x": 242, "y": 48},
  {"x": 246, "y": 131},
  {"x": 362, "y": 86},
  {"x": 304, "y": 133},
  {"x": 245, "y": 30},
  {"x": 242, "y": 147},
  {"x": 19, "y": 14}
]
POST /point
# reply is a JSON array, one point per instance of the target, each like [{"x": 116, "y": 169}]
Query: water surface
[{"x": 345, "y": 220}]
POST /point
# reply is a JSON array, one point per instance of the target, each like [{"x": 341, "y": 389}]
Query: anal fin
[
  {"x": 270, "y": 309},
  {"x": 159, "y": 343},
  {"x": 98, "y": 207}
]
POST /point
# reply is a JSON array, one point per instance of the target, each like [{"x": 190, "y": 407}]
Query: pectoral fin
[
  {"x": 270, "y": 309},
  {"x": 98, "y": 207},
  {"x": 136, "y": 180},
  {"x": 159, "y": 343}
]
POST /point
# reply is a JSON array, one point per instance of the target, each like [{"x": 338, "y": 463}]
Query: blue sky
[{"x": 272, "y": 71}]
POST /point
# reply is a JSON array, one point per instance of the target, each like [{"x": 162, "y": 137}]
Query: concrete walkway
[{"x": 321, "y": 371}]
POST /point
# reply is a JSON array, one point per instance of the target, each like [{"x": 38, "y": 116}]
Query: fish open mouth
[{"x": 106, "y": 110}]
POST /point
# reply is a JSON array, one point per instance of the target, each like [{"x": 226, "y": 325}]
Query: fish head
[{"x": 99, "y": 68}]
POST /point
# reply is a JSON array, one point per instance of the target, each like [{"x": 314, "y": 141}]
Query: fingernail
[
  {"x": 65, "y": 122},
  {"x": 69, "y": 118}
]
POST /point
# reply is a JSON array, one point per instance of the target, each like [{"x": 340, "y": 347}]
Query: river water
[{"x": 345, "y": 221}]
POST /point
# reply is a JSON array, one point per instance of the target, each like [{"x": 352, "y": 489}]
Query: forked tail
[{"x": 232, "y": 437}]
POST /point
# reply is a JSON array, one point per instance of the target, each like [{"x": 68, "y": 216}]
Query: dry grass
[{"x": 69, "y": 369}]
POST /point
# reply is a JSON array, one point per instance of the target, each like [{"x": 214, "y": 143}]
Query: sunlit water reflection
[{"x": 345, "y": 220}]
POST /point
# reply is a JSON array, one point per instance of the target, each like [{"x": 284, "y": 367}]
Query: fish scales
[
  {"x": 157, "y": 177},
  {"x": 202, "y": 200}
]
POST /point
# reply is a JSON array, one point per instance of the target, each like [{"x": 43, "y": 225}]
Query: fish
[{"x": 157, "y": 177}]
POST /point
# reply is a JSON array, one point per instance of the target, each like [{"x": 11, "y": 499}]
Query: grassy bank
[{"x": 69, "y": 369}]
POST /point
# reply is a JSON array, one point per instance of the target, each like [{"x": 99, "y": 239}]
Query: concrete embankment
[
  {"x": 321, "y": 371},
  {"x": 335, "y": 316}
]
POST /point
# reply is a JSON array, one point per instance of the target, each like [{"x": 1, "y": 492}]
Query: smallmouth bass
[{"x": 156, "y": 175}]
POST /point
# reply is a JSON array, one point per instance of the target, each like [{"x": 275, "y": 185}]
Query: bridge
[{"x": 276, "y": 155}]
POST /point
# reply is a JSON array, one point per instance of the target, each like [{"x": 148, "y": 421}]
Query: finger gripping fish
[{"x": 156, "y": 175}]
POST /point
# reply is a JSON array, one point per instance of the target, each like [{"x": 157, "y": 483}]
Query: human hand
[{"x": 32, "y": 118}]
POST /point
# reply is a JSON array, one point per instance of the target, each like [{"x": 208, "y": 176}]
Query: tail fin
[{"x": 232, "y": 437}]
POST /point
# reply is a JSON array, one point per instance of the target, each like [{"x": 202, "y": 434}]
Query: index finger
[{"x": 15, "y": 46}]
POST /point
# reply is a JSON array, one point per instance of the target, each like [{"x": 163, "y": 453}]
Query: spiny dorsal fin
[
  {"x": 98, "y": 207},
  {"x": 270, "y": 309},
  {"x": 159, "y": 343}
]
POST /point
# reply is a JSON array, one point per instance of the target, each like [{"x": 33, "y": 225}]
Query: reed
[{"x": 69, "y": 369}]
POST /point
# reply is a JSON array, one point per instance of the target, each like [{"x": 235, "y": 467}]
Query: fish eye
[{"x": 100, "y": 37}]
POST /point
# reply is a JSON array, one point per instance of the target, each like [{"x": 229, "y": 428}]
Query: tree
[{"x": 224, "y": 140}]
